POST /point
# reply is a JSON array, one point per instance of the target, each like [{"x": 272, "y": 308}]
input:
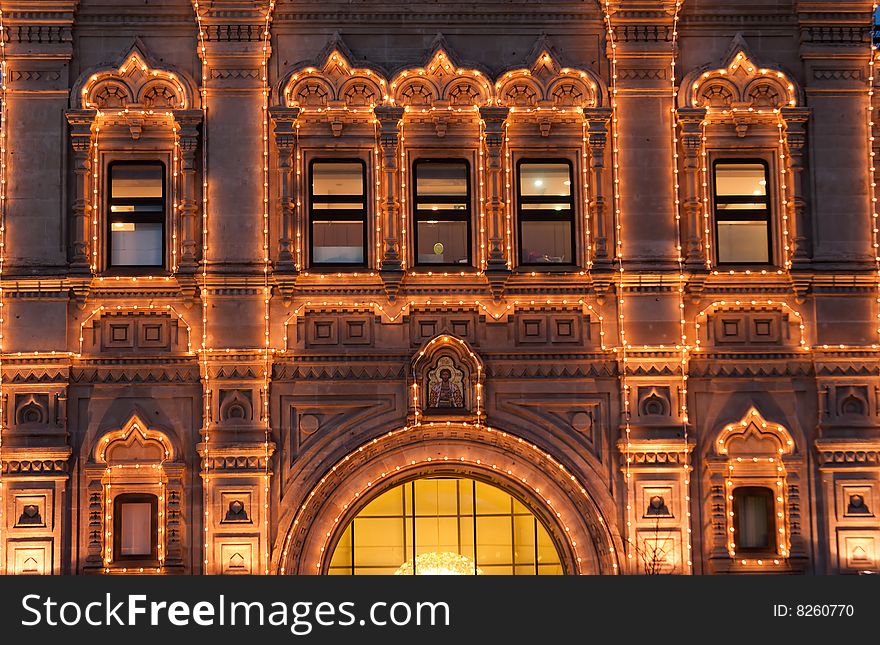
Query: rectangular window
[
  {"x": 136, "y": 214},
  {"x": 754, "y": 525},
  {"x": 546, "y": 212},
  {"x": 742, "y": 212},
  {"x": 442, "y": 212},
  {"x": 135, "y": 527},
  {"x": 338, "y": 213}
]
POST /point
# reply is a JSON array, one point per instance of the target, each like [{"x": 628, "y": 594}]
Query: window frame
[
  {"x": 743, "y": 215},
  {"x": 160, "y": 218},
  {"x": 772, "y": 528},
  {"x": 418, "y": 214},
  {"x": 136, "y": 498},
  {"x": 329, "y": 213},
  {"x": 535, "y": 215}
]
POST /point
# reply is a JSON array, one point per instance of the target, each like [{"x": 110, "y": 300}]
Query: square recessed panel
[
  {"x": 357, "y": 331},
  {"x": 532, "y": 330},
  {"x": 29, "y": 558},
  {"x": 857, "y": 550},
  {"x": 322, "y": 331},
  {"x": 30, "y": 511},
  {"x": 239, "y": 556},
  {"x": 857, "y": 502}
]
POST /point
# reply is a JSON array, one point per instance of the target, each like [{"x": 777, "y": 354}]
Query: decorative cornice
[
  {"x": 855, "y": 452},
  {"x": 35, "y": 461}
]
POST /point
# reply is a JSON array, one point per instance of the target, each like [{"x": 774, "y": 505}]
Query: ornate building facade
[{"x": 511, "y": 287}]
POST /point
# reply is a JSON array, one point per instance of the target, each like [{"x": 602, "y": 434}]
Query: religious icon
[{"x": 445, "y": 386}]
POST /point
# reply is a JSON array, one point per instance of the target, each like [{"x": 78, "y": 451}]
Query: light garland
[
  {"x": 108, "y": 499},
  {"x": 704, "y": 172},
  {"x": 585, "y": 183},
  {"x": 682, "y": 344},
  {"x": 779, "y": 303},
  {"x": 267, "y": 292},
  {"x": 508, "y": 195},
  {"x": 4, "y": 70},
  {"x": 787, "y": 444},
  {"x": 407, "y": 307},
  {"x": 872, "y": 178},
  {"x": 618, "y": 255},
  {"x": 203, "y": 294},
  {"x": 95, "y": 199},
  {"x": 783, "y": 191},
  {"x": 482, "y": 263},
  {"x": 509, "y": 472},
  {"x": 404, "y": 256},
  {"x": 170, "y": 309},
  {"x": 298, "y": 189},
  {"x": 175, "y": 191},
  {"x": 377, "y": 180}
]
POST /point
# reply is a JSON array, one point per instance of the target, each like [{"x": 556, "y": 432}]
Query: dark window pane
[
  {"x": 743, "y": 242},
  {"x": 753, "y": 515},
  {"x": 136, "y": 181},
  {"x": 441, "y": 178},
  {"x": 545, "y": 242},
  {"x": 136, "y": 243},
  {"x": 442, "y": 242},
  {"x": 337, "y": 179},
  {"x": 335, "y": 242},
  {"x": 740, "y": 179},
  {"x": 545, "y": 179},
  {"x": 137, "y": 530}
]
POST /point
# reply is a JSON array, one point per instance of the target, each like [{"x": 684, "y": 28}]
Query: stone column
[
  {"x": 644, "y": 125},
  {"x": 234, "y": 140},
  {"x": 284, "y": 123},
  {"x": 188, "y": 122},
  {"x": 597, "y": 139},
  {"x": 81, "y": 122},
  {"x": 690, "y": 121},
  {"x": 795, "y": 141},
  {"x": 390, "y": 119},
  {"x": 496, "y": 266}
]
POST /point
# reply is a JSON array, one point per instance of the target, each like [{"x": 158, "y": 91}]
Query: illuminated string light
[
  {"x": 4, "y": 71},
  {"x": 496, "y": 312},
  {"x": 508, "y": 195},
  {"x": 618, "y": 256},
  {"x": 267, "y": 292},
  {"x": 784, "y": 175},
  {"x": 682, "y": 343},
  {"x": 175, "y": 196},
  {"x": 99, "y": 310},
  {"x": 753, "y": 303},
  {"x": 481, "y": 173},
  {"x": 780, "y": 497},
  {"x": 585, "y": 183},
  {"x": 872, "y": 167},
  {"x": 203, "y": 294},
  {"x": 704, "y": 185}
]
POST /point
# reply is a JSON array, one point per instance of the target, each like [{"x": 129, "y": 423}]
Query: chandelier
[{"x": 443, "y": 563}]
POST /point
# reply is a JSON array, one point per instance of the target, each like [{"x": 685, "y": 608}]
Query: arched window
[
  {"x": 445, "y": 526},
  {"x": 754, "y": 519}
]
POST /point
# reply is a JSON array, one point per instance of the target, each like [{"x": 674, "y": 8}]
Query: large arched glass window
[{"x": 445, "y": 526}]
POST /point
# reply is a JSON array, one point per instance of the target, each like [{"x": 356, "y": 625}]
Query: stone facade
[{"x": 260, "y": 399}]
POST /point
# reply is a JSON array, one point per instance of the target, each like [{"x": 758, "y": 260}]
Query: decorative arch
[
  {"x": 547, "y": 84},
  {"x": 133, "y": 81},
  {"x": 134, "y": 442},
  {"x": 334, "y": 82},
  {"x": 754, "y": 436},
  {"x": 583, "y": 534},
  {"x": 441, "y": 80},
  {"x": 739, "y": 82}
]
